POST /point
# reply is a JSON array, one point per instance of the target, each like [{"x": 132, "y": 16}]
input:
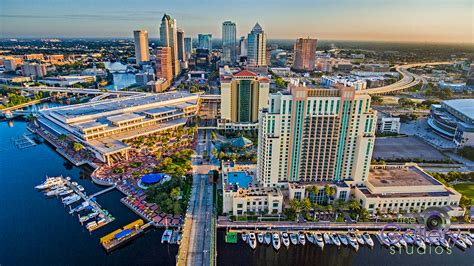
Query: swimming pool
[{"x": 239, "y": 177}]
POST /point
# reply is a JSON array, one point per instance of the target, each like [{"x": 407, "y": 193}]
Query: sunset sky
[{"x": 402, "y": 20}]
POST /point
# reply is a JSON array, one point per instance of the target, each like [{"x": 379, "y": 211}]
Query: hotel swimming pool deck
[{"x": 240, "y": 178}]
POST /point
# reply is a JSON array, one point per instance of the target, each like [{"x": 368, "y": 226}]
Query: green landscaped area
[{"x": 465, "y": 189}]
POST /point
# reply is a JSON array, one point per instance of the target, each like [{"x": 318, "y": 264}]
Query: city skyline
[{"x": 439, "y": 21}]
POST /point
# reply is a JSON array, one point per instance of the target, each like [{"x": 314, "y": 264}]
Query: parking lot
[{"x": 407, "y": 148}]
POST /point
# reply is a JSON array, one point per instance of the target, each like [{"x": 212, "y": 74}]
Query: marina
[
  {"x": 71, "y": 192},
  {"x": 352, "y": 238}
]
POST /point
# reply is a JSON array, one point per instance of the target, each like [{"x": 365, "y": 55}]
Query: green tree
[{"x": 77, "y": 146}]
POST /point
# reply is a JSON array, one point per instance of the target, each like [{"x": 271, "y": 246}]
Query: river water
[
  {"x": 39, "y": 231},
  {"x": 121, "y": 80}
]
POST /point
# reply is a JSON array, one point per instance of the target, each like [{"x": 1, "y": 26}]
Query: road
[
  {"x": 201, "y": 210},
  {"x": 76, "y": 90},
  {"x": 408, "y": 79}
]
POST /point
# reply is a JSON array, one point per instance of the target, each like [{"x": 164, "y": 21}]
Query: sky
[{"x": 381, "y": 20}]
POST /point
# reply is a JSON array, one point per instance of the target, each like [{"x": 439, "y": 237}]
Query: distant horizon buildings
[
  {"x": 229, "y": 43},
  {"x": 205, "y": 41},
  {"x": 34, "y": 70},
  {"x": 188, "y": 47},
  {"x": 305, "y": 54},
  {"x": 169, "y": 38},
  {"x": 180, "y": 37},
  {"x": 141, "y": 46},
  {"x": 257, "y": 46}
]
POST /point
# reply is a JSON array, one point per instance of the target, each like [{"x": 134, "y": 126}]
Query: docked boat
[
  {"x": 71, "y": 199},
  {"x": 79, "y": 207},
  {"x": 268, "y": 238},
  {"x": 244, "y": 236},
  {"x": 359, "y": 238},
  {"x": 301, "y": 239},
  {"x": 80, "y": 188},
  {"x": 402, "y": 242},
  {"x": 285, "y": 238},
  {"x": 353, "y": 241},
  {"x": 75, "y": 184},
  {"x": 318, "y": 239},
  {"x": 260, "y": 238},
  {"x": 410, "y": 239},
  {"x": 55, "y": 192},
  {"x": 49, "y": 182},
  {"x": 465, "y": 239},
  {"x": 327, "y": 239},
  {"x": 458, "y": 241},
  {"x": 368, "y": 239},
  {"x": 419, "y": 242},
  {"x": 343, "y": 239},
  {"x": 276, "y": 241},
  {"x": 252, "y": 240},
  {"x": 294, "y": 239},
  {"x": 335, "y": 239},
  {"x": 310, "y": 238},
  {"x": 85, "y": 218},
  {"x": 166, "y": 236},
  {"x": 91, "y": 225},
  {"x": 66, "y": 192},
  {"x": 444, "y": 243}
]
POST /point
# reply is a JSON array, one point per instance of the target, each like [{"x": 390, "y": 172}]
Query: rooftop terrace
[{"x": 397, "y": 177}]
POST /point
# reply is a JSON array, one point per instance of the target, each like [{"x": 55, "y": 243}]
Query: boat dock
[{"x": 121, "y": 236}]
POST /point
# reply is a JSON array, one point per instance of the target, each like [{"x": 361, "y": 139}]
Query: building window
[{"x": 343, "y": 195}]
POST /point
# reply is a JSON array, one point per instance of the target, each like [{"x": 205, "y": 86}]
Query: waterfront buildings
[
  {"x": 309, "y": 135},
  {"x": 454, "y": 120},
  {"x": 257, "y": 46},
  {"x": 169, "y": 38},
  {"x": 229, "y": 43},
  {"x": 240, "y": 197},
  {"x": 243, "y": 94},
  {"x": 188, "y": 47},
  {"x": 102, "y": 126},
  {"x": 305, "y": 54},
  {"x": 205, "y": 41},
  {"x": 141, "y": 46},
  {"x": 404, "y": 188},
  {"x": 34, "y": 70}
]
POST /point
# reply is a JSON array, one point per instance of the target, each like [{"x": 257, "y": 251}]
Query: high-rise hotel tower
[
  {"x": 309, "y": 135},
  {"x": 169, "y": 38}
]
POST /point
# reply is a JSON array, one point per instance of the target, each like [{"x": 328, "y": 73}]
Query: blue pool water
[{"x": 239, "y": 177}]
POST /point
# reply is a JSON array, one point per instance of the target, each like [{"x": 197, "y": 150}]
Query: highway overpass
[{"x": 408, "y": 79}]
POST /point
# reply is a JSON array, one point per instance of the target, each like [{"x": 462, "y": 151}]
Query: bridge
[
  {"x": 408, "y": 79},
  {"x": 102, "y": 192}
]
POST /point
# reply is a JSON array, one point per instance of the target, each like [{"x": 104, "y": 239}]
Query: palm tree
[{"x": 329, "y": 191}]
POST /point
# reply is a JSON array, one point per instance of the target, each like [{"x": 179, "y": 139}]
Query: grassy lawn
[{"x": 465, "y": 189}]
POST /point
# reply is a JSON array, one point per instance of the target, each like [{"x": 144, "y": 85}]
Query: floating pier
[{"x": 121, "y": 236}]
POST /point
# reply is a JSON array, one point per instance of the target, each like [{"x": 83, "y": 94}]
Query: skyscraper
[
  {"x": 310, "y": 135},
  {"x": 243, "y": 47},
  {"x": 188, "y": 47},
  {"x": 305, "y": 54},
  {"x": 169, "y": 38},
  {"x": 242, "y": 95},
  {"x": 229, "y": 43},
  {"x": 163, "y": 63},
  {"x": 257, "y": 47},
  {"x": 205, "y": 41},
  {"x": 180, "y": 36},
  {"x": 141, "y": 46}
]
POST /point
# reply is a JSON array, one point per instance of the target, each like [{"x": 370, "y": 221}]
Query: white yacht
[
  {"x": 343, "y": 239},
  {"x": 310, "y": 238},
  {"x": 285, "y": 238},
  {"x": 276, "y": 241},
  {"x": 268, "y": 238},
  {"x": 335, "y": 239},
  {"x": 327, "y": 239},
  {"x": 260, "y": 238},
  {"x": 294, "y": 239},
  {"x": 301, "y": 239},
  {"x": 368, "y": 239},
  {"x": 318, "y": 238},
  {"x": 244, "y": 236},
  {"x": 252, "y": 240}
]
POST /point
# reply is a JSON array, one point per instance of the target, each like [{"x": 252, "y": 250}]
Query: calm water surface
[{"x": 39, "y": 231}]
